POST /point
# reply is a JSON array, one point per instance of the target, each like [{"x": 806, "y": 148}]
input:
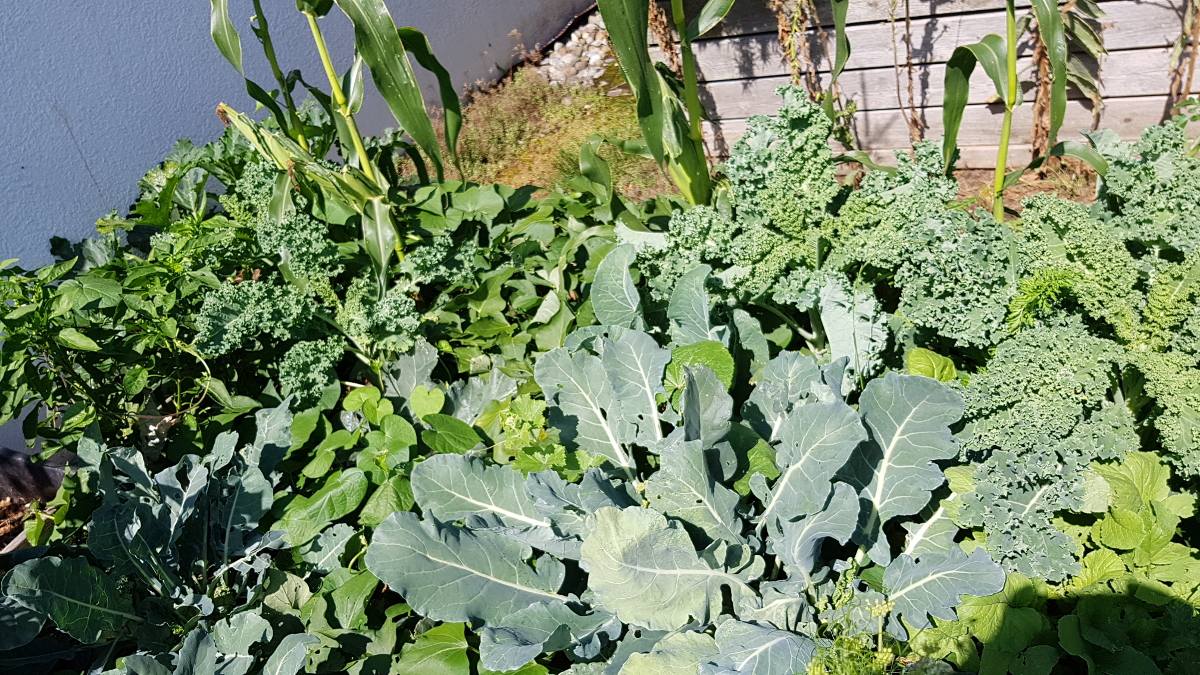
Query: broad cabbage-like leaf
[
  {"x": 324, "y": 552},
  {"x": 614, "y": 297},
  {"x": 908, "y": 418},
  {"x": 452, "y": 487},
  {"x": 291, "y": 654},
  {"x": 855, "y": 327},
  {"x": 676, "y": 654},
  {"x": 234, "y": 637},
  {"x": 817, "y": 439},
  {"x": 747, "y": 649},
  {"x": 646, "y": 570},
  {"x": 568, "y": 505},
  {"x": 409, "y": 371},
  {"x": 687, "y": 310},
  {"x": 786, "y": 382},
  {"x": 933, "y": 533},
  {"x": 635, "y": 365},
  {"x": 471, "y": 398},
  {"x": 799, "y": 541},
  {"x": 707, "y": 407},
  {"x": 685, "y": 488},
  {"x": 931, "y": 585},
  {"x": 18, "y": 624},
  {"x": 450, "y": 573},
  {"x": 80, "y": 599},
  {"x": 782, "y": 604},
  {"x": 544, "y": 627},
  {"x": 581, "y": 397}
]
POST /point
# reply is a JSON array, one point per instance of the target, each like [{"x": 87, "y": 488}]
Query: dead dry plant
[
  {"x": 916, "y": 125},
  {"x": 1183, "y": 70},
  {"x": 660, "y": 27}
]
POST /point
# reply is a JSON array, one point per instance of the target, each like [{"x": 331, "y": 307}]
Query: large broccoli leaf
[
  {"x": 817, "y": 439},
  {"x": 786, "y": 380},
  {"x": 747, "y": 649},
  {"x": 646, "y": 570},
  {"x": 932, "y": 584},
  {"x": 687, "y": 310},
  {"x": 797, "y": 542},
  {"x": 544, "y": 627},
  {"x": 908, "y": 418},
  {"x": 675, "y": 654},
  {"x": 81, "y": 600},
  {"x": 856, "y": 329},
  {"x": 614, "y": 297},
  {"x": 495, "y": 498},
  {"x": 685, "y": 488},
  {"x": 452, "y": 487},
  {"x": 635, "y": 365},
  {"x": 450, "y": 573},
  {"x": 578, "y": 389}
]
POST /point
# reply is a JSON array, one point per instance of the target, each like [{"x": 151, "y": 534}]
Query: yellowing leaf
[{"x": 930, "y": 364}]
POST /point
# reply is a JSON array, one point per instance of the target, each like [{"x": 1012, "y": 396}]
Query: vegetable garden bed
[{"x": 362, "y": 417}]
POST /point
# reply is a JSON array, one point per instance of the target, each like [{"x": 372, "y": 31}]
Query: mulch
[{"x": 12, "y": 515}]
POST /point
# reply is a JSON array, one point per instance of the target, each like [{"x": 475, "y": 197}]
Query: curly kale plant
[
  {"x": 1145, "y": 300},
  {"x": 1152, "y": 187},
  {"x": 954, "y": 271},
  {"x": 1040, "y": 414},
  {"x": 781, "y": 188}
]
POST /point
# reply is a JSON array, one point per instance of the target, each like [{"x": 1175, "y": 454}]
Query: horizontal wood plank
[
  {"x": 1127, "y": 73},
  {"x": 749, "y": 17},
  {"x": 1130, "y": 25},
  {"x": 885, "y": 129}
]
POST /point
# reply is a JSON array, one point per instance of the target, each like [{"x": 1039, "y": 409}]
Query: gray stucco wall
[{"x": 96, "y": 93}]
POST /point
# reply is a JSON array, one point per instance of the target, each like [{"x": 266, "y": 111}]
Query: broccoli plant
[
  {"x": 173, "y": 566},
  {"x": 708, "y": 540}
]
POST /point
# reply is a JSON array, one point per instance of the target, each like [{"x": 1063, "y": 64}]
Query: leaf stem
[
  {"x": 264, "y": 36},
  {"x": 690, "y": 83},
  {"x": 1009, "y": 103},
  {"x": 339, "y": 97}
]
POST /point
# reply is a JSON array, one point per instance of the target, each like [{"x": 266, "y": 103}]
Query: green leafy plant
[
  {"x": 669, "y": 110},
  {"x": 657, "y": 547},
  {"x": 998, "y": 56}
]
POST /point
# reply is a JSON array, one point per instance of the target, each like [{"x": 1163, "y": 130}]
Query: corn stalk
[{"x": 669, "y": 111}]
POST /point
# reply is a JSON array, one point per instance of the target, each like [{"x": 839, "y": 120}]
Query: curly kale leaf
[
  {"x": 392, "y": 322},
  {"x": 306, "y": 369},
  {"x": 1037, "y": 417},
  {"x": 1187, "y": 340},
  {"x": 1062, "y": 236},
  {"x": 955, "y": 274},
  {"x": 782, "y": 171},
  {"x": 302, "y": 244},
  {"x": 781, "y": 175},
  {"x": 1154, "y": 187},
  {"x": 1173, "y": 379},
  {"x": 238, "y": 312},
  {"x": 443, "y": 261},
  {"x": 749, "y": 258}
]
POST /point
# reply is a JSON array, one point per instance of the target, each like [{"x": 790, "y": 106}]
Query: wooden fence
[{"x": 741, "y": 63}]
